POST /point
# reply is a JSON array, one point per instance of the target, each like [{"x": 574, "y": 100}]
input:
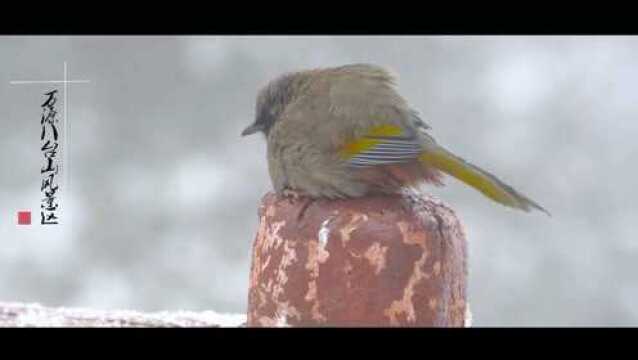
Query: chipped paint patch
[
  {"x": 312, "y": 291},
  {"x": 316, "y": 256},
  {"x": 351, "y": 226},
  {"x": 282, "y": 314},
  {"x": 262, "y": 236},
  {"x": 316, "y": 314},
  {"x": 458, "y": 306},
  {"x": 265, "y": 321},
  {"x": 270, "y": 211},
  {"x": 376, "y": 256},
  {"x": 288, "y": 257},
  {"x": 272, "y": 237},
  {"x": 411, "y": 237},
  {"x": 319, "y": 256},
  {"x": 348, "y": 269},
  {"x": 311, "y": 296},
  {"x": 262, "y": 298},
  {"x": 265, "y": 264},
  {"x": 285, "y": 310},
  {"x": 436, "y": 268},
  {"x": 324, "y": 231},
  {"x": 280, "y": 321},
  {"x": 432, "y": 303},
  {"x": 405, "y": 304}
]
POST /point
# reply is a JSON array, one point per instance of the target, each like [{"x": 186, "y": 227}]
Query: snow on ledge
[{"x": 35, "y": 315}]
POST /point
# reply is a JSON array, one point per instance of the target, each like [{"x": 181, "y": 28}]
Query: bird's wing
[
  {"x": 381, "y": 127},
  {"x": 382, "y": 145}
]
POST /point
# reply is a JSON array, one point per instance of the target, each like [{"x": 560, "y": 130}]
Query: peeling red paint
[
  {"x": 359, "y": 262},
  {"x": 376, "y": 256}
]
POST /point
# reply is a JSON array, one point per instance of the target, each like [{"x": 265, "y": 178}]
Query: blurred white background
[{"x": 163, "y": 192}]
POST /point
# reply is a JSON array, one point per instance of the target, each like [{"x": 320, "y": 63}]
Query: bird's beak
[{"x": 252, "y": 129}]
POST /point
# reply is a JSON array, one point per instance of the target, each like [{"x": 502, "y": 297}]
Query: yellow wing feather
[
  {"x": 377, "y": 146},
  {"x": 477, "y": 178},
  {"x": 368, "y": 141}
]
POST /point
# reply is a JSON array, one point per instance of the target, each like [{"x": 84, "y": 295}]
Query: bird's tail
[{"x": 438, "y": 157}]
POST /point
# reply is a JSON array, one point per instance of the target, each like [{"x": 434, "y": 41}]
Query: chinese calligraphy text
[{"x": 49, "y": 140}]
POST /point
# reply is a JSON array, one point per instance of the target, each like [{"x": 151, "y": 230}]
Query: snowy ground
[{"x": 36, "y": 315}]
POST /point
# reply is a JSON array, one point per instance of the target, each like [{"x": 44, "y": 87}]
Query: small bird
[{"x": 346, "y": 132}]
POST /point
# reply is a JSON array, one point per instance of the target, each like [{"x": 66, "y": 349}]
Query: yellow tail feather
[{"x": 483, "y": 181}]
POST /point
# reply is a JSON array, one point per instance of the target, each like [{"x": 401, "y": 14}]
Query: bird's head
[{"x": 271, "y": 102}]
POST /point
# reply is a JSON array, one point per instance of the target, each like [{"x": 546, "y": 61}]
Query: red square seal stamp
[{"x": 24, "y": 217}]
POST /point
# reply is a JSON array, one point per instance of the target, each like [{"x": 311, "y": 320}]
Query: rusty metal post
[{"x": 375, "y": 261}]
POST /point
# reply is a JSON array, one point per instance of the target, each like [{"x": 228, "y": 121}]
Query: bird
[{"x": 345, "y": 132}]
